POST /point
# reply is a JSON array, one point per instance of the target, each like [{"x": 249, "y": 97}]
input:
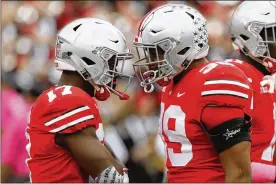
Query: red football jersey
[
  {"x": 190, "y": 153},
  {"x": 263, "y": 125},
  {"x": 59, "y": 110}
]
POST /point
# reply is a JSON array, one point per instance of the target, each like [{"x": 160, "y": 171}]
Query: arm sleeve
[
  {"x": 226, "y": 126},
  {"x": 70, "y": 113},
  {"x": 227, "y": 86},
  {"x": 213, "y": 116},
  {"x": 226, "y": 107}
]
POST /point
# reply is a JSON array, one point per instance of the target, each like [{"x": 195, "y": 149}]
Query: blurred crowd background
[{"x": 29, "y": 31}]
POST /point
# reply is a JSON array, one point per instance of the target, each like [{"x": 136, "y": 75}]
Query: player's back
[
  {"x": 263, "y": 124},
  {"x": 59, "y": 110},
  {"x": 191, "y": 155}
]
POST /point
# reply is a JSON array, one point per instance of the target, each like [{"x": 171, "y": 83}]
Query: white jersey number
[
  {"x": 179, "y": 148},
  {"x": 52, "y": 95},
  {"x": 211, "y": 66},
  {"x": 269, "y": 151}
]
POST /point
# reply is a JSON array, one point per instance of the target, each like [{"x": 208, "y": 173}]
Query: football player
[
  {"x": 65, "y": 132},
  {"x": 205, "y": 106},
  {"x": 253, "y": 29}
]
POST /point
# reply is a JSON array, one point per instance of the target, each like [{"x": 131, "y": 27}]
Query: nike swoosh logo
[
  {"x": 180, "y": 94},
  {"x": 114, "y": 41}
]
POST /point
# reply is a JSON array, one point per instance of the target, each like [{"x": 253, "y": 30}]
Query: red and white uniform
[
  {"x": 263, "y": 125},
  {"x": 59, "y": 110},
  {"x": 190, "y": 153}
]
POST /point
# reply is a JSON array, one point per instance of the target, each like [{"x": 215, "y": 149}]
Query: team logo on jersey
[
  {"x": 230, "y": 134},
  {"x": 180, "y": 94}
]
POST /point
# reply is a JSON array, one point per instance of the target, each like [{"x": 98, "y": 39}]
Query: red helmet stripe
[{"x": 142, "y": 21}]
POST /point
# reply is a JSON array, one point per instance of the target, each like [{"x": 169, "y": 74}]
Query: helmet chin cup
[
  {"x": 270, "y": 64},
  {"x": 149, "y": 88},
  {"x": 163, "y": 82},
  {"x": 269, "y": 83},
  {"x": 102, "y": 94}
]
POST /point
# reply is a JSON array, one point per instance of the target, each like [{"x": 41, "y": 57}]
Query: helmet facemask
[
  {"x": 115, "y": 70},
  {"x": 266, "y": 47},
  {"x": 152, "y": 64},
  {"x": 261, "y": 46},
  {"x": 103, "y": 73}
]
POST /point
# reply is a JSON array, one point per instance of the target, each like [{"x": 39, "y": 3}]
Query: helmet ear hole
[
  {"x": 183, "y": 51},
  {"x": 245, "y": 38},
  {"x": 88, "y": 61}
]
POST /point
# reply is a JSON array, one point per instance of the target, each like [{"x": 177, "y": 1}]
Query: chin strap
[
  {"x": 149, "y": 88},
  {"x": 102, "y": 94},
  {"x": 122, "y": 96}
]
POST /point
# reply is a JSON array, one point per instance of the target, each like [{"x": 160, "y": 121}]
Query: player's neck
[
  {"x": 254, "y": 63},
  {"x": 197, "y": 63},
  {"x": 72, "y": 79},
  {"x": 193, "y": 65}
]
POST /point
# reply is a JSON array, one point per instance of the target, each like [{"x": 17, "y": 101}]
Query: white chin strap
[{"x": 149, "y": 90}]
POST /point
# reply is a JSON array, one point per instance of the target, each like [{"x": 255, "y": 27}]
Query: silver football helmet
[
  {"x": 94, "y": 48},
  {"x": 169, "y": 38},
  {"x": 253, "y": 29}
]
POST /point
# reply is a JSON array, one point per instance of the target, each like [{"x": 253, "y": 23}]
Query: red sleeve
[
  {"x": 226, "y": 86},
  {"x": 213, "y": 116},
  {"x": 69, "y": 113}
]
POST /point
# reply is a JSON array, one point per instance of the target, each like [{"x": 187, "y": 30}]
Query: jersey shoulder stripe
[
  {"x": 225, "y": 87},
  {"x": 232, "y": 82},
  {"x": 72, "y": 123},
  {"x": 67, "y": 114},
  {"x": 224, "y": 92}
]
